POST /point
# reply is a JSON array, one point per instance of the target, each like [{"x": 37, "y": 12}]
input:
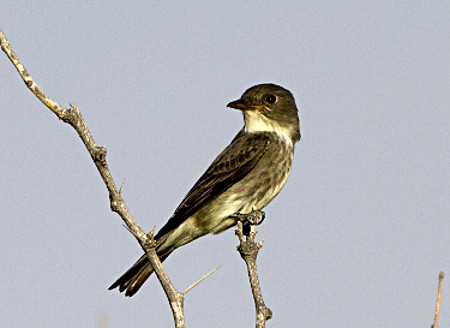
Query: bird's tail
[{"x": 134, "y": 278}]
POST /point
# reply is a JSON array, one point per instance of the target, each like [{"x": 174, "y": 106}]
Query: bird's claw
[{"x": 254, "y": 218}]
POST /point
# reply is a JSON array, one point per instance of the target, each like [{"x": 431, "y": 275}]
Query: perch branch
[{"x": 248, "y": 250}]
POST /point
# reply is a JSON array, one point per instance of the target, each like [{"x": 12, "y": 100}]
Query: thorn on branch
[
  {"x": 121, "y": 187},
  {"x": 150, "y": 235}
]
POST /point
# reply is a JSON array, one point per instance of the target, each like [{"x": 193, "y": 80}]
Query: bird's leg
[{"x": 254, "y": 218}]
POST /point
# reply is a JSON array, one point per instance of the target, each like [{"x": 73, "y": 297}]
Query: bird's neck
[{"x": 255, "y": 122}]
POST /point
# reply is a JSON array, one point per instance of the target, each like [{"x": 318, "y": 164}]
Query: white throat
[{"x": 256, "y": 122}]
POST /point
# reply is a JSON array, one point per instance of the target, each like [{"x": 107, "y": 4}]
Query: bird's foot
[{"x": 254, "y": 218}]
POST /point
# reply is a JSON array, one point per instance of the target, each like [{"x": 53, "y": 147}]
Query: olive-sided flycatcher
[{"x": 245, "y": 177}]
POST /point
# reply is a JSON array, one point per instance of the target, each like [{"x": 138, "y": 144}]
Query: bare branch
[
  {"x": 72, "y": 116},
  {"x": 438, "y": 302},
  {"x": 248, "y": 250},
  {"x": 176, "y": 299}
]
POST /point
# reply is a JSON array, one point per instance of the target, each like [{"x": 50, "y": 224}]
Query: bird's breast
[{"x": 267, "y": 178}]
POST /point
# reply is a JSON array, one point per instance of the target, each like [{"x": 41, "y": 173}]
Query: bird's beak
[{"x": 242, "y": 105}]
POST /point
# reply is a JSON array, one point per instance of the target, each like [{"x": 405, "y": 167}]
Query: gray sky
[{"x": 357, "y": 237}]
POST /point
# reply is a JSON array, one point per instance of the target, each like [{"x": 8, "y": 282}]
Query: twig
[
  {"x": 72, "y": 116},
  {"x": 200, "y": 280},
  {"x": 248, "y": 250},
  {"x": 121, "y": 186},
  {"x": 438, "y": 302}
]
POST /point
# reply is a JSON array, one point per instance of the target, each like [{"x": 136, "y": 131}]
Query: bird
[{"x": 243, "y": 179}]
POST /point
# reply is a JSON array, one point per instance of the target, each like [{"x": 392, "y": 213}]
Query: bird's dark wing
[{"x": 234, "y": 163}]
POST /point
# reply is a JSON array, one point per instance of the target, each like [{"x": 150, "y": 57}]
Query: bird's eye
[{"x": 271, "y": 99}]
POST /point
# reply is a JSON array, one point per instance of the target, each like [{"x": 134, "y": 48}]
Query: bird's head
[{"x": 269, "y": 108}]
